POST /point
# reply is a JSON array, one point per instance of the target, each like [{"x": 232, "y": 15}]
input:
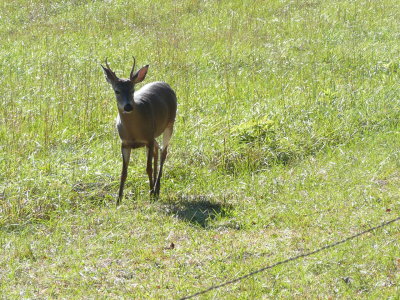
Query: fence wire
[{"x": 214, "y": 287}]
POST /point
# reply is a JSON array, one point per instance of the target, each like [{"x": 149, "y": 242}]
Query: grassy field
[{"x": 287, "y": 139}]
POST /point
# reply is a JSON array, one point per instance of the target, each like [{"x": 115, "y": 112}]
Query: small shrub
[{"x": 260, "y": 130}]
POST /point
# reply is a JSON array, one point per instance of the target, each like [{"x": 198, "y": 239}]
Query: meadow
[{"x": 287, "y": 140}]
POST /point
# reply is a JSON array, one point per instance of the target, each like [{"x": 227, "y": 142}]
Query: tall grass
[{"x": 287, "y": 131}]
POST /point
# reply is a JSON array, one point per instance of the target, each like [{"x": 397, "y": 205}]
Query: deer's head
[{"x": 125, "y": 88}]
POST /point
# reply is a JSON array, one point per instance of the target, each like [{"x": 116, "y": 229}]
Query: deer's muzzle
[{"x": 128, "y": 107}]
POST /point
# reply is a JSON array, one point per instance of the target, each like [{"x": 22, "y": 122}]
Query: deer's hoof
[{"x": 154, "y": 194}]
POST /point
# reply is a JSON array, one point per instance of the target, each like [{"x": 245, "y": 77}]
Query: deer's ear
[
  {"x": 140, "y": 75},
  {"x": 110, "y": 75}
]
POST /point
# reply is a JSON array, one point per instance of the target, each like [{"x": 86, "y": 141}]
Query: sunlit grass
[{"x": 287, "y": 138}]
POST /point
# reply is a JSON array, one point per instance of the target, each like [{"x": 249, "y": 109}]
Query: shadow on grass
[
  {"x": 198, "y": 210},
  {"x": 21, "y": 215},
  {"x": 97, "y": 193}
]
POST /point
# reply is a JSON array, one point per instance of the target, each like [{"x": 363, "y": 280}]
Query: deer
[{"x": 143, "y": 115}]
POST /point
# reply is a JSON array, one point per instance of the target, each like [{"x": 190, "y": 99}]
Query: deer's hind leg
[
  {"x": 149, "y": 168},
  {"x": 166, "y": 138},
  {"x": 155, "y": 156}
]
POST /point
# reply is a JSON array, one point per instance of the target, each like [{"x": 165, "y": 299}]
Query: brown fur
[{"x": 142, "y": 117}]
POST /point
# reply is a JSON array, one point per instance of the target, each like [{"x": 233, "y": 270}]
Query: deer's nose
[{"x": 128, "y": 107}]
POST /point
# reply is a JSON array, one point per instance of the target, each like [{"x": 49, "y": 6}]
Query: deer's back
[
  {"x": 160, "y": 98},
  {"x": 155, "y": 108}
]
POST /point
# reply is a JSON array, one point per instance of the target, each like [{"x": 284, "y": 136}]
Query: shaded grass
[{"x": 199, "y": 210}]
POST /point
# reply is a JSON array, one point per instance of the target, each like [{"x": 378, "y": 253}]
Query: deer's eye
[{"x": 117, "y": 92}]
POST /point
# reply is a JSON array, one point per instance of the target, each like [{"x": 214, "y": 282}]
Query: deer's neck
[{"x": 132, "y": 117}]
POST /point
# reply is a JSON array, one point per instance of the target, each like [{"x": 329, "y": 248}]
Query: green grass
[{"x": 287, "y": 139}]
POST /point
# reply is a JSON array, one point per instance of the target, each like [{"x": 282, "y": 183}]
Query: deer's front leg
[{"x": 126, "y": 154}]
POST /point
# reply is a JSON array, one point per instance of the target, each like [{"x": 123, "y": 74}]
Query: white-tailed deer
[{"x": 142, "y": 117}]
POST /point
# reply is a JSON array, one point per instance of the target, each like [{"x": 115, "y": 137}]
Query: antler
[
  {"x": 108, "y": 70},
  {"x": 133, "y": 68},
  {"x": 108, "y": 67}
]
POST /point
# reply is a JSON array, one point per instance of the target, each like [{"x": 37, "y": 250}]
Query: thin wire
[{"x": 214, "y": 287}]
